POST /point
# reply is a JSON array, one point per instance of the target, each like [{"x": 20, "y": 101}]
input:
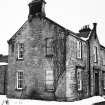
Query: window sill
[
  {"x": 80, "y": 91},
  {"x": 18, "y": 59},
  {"x": 79, "y": 58},
  {"x": 19, "y": 89},
  {"x": 95, "y": 61}
]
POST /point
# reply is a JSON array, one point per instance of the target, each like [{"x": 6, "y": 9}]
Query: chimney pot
[{"x": 85, "y": 29}]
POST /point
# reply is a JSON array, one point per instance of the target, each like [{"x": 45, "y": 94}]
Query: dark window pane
[{"x": 49, "y": 46}]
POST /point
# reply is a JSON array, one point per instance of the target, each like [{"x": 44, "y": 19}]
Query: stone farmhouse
[{"x": 47, "y": 61}]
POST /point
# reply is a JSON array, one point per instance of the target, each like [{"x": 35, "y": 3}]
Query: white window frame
[
  {"x": 79, "y": 49},
  {"x": 49, "y": 79},
  {"x": 79, "y": 79},
  {"x": 19, "y": 51},
  {"x": 103, "y": 58},
  {"x": 95, "y": 54},
  {"x": 17, "y": 75}
]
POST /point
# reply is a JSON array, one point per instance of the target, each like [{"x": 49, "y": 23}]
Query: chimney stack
[
  {"x": 85, "y": 29},
  {"x": 84, "y": 32},
  {"x": 36, "y": 8},
  {"x": 94, "y": 26}
]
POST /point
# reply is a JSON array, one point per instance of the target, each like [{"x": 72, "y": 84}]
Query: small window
[
  {"x": 20, "y": 50},
  {"x": 49, "y": 80},
  {"x": 20, "y": 80},
  {"x": 95, "y": 54},
  {"x": 79, "y": 79},
  {"x": 12, "y": 47},
  {"x": 49, "y": 47},
  {"x": 79, "y": 49},
  {"x": 103, "y": 58},
  {"x": 103, "y": 75}
]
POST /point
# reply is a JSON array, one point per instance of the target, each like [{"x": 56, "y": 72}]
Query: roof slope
[
  {"x": 17, "y": 33},
  {"x": 69, "y": 32},
  {"x": 22, "y": 28}
]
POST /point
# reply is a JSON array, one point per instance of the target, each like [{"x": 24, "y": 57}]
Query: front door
[{"x": 96, "y": 83}]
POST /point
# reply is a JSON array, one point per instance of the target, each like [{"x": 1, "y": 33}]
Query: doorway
[{"x": 96, "y": 83}]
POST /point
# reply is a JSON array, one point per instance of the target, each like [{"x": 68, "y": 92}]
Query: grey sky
[{"x": 72, "y": 14}]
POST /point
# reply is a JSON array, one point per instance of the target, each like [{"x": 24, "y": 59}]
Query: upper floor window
[
  {"x": 49, "y": 47},
  {"x": 79, "y": 49},
  {"x": 79, "y": 79},
  {"x": 103, "y": 59},
  {"x": 20, "y": 50},
  {"x": 12, "y": 47},
  {"x": 95, "y": 55},
  {"x": 20, "y": 80}
]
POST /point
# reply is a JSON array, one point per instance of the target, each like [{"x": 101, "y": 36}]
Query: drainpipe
[
  {"x": 66, "y": 33},
  {"x": 89, "y": 70}
]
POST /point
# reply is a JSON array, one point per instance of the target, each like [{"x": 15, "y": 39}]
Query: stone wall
[
  {"x": 3, "y": 82},
  {"x": 95, "y": 66},
  {"x": 35, "y": 62},
  {"x": 102, "y": 67},
  {"x": 67, "y": 84},
  {"x": 72, "y": 64}
]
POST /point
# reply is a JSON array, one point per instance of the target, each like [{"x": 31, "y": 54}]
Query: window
[
  {"x": 12, "y": 47},
  {"x": 20, "y": 50},
  {"x": 49, "y": 80},
  {"x": 79, "y": 79},
  {"x": 79, "y": 49},
  {"x": 103, "y": 58},
  {"x": 103, "y": 80},
  {"x": 49, "y": 47},
  {"x": 95, "y": 54},
  {"x": 20, "y": 80}
]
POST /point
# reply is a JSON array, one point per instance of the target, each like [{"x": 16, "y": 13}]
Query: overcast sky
[{"x": 72, "y": 14}]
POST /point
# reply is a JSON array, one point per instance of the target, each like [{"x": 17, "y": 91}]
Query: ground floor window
[
  {"x": 20, "y": 79},
  {"x": 49, "y": 80},
  {"x": 79, "y": 79}
]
